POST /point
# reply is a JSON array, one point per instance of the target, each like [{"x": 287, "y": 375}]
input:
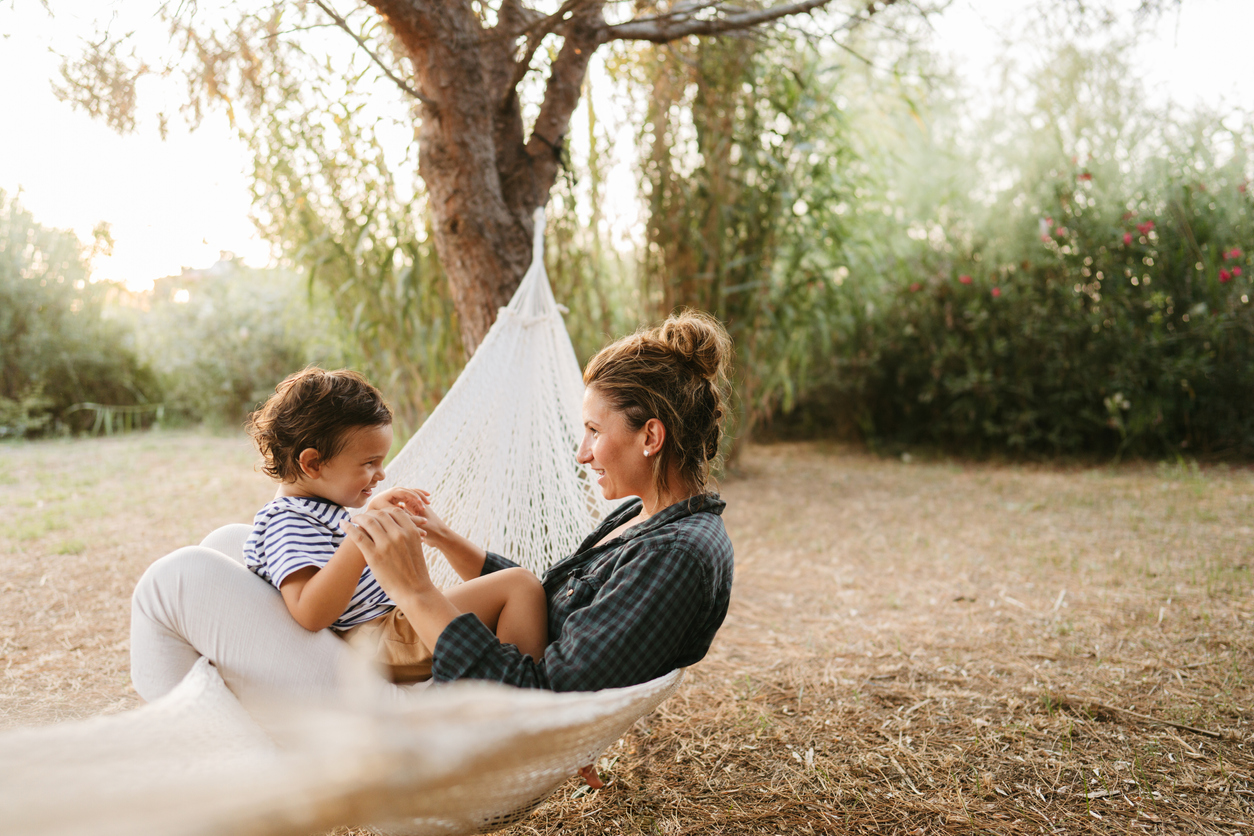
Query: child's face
[{"x": 348, "y": 477}]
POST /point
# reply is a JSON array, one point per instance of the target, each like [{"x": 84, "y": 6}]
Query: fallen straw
[{"x": 1205, "y": 732}]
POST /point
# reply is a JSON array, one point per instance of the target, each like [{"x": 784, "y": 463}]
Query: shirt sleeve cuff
[
  {"x": 462, "y": 644},
  {"x": 290, "y": 567},
  {"x": 495, "y": 563}
]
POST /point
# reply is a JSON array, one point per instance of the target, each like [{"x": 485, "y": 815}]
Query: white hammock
[
  {"x": 498, "y": 456},
  {"x": 498, "y": 453},
  {"x": 466, "y": 757}
]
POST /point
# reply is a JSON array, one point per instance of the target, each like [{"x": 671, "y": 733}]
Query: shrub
[
  {"x": 56, "y": 347},
  {"x": 221, "y": 338},
  {"x": 1122, "y": 326},
  {"x": 1071, "y": 276}
]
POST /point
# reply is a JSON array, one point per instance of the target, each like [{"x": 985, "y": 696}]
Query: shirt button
[{"x": 570, "y": 592}]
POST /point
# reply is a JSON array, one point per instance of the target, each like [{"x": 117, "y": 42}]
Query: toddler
[{"x": 323, "y": 435}]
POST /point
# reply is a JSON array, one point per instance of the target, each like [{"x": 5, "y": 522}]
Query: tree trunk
[
  {"x": 484, "y": 182},
  {"x": 483, "y": 178},
  {"x": 483, "y": 246}
]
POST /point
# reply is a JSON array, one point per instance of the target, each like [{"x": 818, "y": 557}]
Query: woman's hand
[
  {"x": 391, "y": 541},
  {"x": 465, "y": 557}
]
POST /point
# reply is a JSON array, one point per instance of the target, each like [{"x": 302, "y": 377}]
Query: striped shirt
[{"x": 294, "y": 532}]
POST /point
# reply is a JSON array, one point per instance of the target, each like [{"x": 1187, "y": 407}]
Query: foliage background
[
  {"x": 219, "y": 339},
  {"x": 1078, "y": 282},
  {"x": 1063, "y": 270},
  {"x": 56, "y": 348}
]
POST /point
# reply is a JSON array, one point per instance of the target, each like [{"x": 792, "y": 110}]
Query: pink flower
[
  {"x": 1049, "y": 222},
  {"x": 1225, "y": 276},
  {"x": 1235, "y": 252},
  {"x": 1045, "y": 237},
  {"x": 1145, "y": 227},
  {"x": 1236, "y": 271},
  {"x": 915, "y": 287},
  {"x": 1241, "y": 188},
  {"x": 996, "y": 292},
  {"x": 1060, "y": 231},
  {"x": 964, "y": 278},
  {"x": 1127, "y": 238},
  {"x": 1127, "y": 216},
  {"x": 1084, "y": 175}
]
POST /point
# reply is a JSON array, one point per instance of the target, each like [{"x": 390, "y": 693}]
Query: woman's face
[{"x": 614, "y": 452}]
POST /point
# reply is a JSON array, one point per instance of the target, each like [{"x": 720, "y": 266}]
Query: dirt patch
[
  {"x": 933, "y": 647},
  {"x": 954, "y": 648}
]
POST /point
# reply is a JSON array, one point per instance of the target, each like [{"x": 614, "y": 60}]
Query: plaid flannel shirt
[{"x": 621, "y": 613}]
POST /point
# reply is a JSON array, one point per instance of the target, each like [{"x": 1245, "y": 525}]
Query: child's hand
[
  {"x": 432, "y": 526},
  {"x": 407, "y": 499}
]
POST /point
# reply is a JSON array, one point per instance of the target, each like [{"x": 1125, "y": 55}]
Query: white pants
[{"x": 202, "y": 601}]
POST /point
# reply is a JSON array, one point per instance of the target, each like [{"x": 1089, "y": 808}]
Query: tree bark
[{"x": 483, "y": 239}]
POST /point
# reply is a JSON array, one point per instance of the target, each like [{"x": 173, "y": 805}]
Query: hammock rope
[{"x": 467, "y": 757}]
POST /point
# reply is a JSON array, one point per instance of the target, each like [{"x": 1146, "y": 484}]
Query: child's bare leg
[{"x": 511, "y": 603}]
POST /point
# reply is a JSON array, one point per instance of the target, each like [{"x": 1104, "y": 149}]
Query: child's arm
[{"x": 317, "y": 597}]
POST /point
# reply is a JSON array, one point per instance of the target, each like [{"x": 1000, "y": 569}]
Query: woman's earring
[{"x": 646, "y": 452}]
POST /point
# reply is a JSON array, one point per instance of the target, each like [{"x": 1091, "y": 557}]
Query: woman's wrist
[
  {"x": 428, "y": 610},
  {"x": 436, "y": 537},
  {"x": 452, "y": 543}
]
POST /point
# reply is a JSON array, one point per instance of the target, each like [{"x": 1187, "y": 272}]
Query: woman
[{"x": 643, "y": 594}]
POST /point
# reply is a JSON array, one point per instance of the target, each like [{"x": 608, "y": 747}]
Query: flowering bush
[
  {"x": 1069, "y": 275},
  {"x": 1126, "y": 330}
]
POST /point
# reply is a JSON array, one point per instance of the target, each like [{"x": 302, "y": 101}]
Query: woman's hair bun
[
  {"x": 699, "y": 340},
  {"x": 676, "y": 372}
]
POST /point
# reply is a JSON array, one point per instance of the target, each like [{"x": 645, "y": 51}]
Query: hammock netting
[
  {"x": 498, "y": 456},
  {"x": 498, "y": 453}
]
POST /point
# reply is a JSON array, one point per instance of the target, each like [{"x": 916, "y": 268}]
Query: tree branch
[
  {"x": 562, "y": 92},
  {"x": 536, "y": 31},
  {"x": 513, "y": 19},
  {"x": 549, "y": 23},
  {"x": 343, "y": 24},
  {"x": 681, "y": 23}
]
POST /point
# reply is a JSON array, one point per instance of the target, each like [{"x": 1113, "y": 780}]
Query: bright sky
[
  {"x": 178, "y": 203},
  {"x": 1197, "y": 53}
]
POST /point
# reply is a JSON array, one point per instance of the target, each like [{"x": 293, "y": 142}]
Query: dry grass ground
[
  {"x": 84, "y": 518},
  {"x": 932, "y": 647}
]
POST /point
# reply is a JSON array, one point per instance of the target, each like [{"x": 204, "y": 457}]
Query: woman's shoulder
[{"x": 696, "y": 526}]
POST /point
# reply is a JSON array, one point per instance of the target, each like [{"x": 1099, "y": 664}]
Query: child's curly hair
[{"x": 313, "y": 408}]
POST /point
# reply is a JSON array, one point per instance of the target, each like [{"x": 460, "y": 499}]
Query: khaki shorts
[{"x": 391, "y": 641}]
